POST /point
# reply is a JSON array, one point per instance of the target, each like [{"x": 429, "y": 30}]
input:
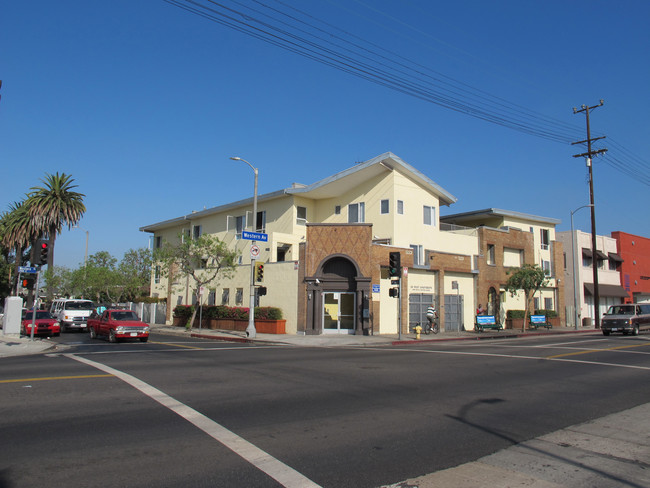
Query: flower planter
[
  {"x": 264, "y": 326},
  {"x": 514, "y": 323}
]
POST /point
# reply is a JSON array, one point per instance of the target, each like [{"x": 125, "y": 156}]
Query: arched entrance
[{"x": 340, "y": 297}]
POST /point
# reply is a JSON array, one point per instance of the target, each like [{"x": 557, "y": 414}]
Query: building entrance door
[{"x": 338, "y": 313}]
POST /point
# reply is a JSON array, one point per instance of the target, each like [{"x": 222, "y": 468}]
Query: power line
[{"x": 297, "y": 31}]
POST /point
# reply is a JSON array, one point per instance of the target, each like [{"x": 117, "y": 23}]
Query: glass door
[{"x": 338, "y": 313}]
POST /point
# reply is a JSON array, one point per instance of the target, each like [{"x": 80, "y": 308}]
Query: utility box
[
  {"x": 12, "y": 316},
  {"x": 586, "y": 321}
]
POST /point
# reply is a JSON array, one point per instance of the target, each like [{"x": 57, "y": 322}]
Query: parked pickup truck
[
  {"x": 628, "y": 318},
  {"x": 118, "y": 324}
]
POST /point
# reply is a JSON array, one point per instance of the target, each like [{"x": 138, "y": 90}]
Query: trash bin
[{"x": 586, "y": 321}]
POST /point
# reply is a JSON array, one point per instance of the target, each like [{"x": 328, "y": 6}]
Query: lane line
[
  {"x": 50, "y": 378},
  {"x": 283, "y": 474},
  {"x": 597, "y": 350}
]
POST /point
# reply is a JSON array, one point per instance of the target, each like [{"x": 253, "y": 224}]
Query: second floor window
[
  {"x": 418, "y": 254},
  {"x": 429, "y": 215},
  {"x": 491, "y": 258},
  {"x": 196, "y": 231},
  {"x": 301, "y": 215},
  {"x": 356, "y": 212},
  {"x": 400, "y": 207},
  {"x": 260, "y": 225},
  {"x": 384, "y": 206},
  {"x": 239, "y": 225},
  {"x": 544, "y": 238}
]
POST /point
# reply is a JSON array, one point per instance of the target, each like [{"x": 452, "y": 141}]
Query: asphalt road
[{"x": 190, "y": 412}]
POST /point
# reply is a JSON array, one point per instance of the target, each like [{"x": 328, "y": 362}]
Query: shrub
[
  {"x": 268, "y": 313},
  {"x": 224, "y": 312},
  {"x": 183, "y": 311},
  {"x": 550, "y": 314},
  {"x": 515, "y": 314}
]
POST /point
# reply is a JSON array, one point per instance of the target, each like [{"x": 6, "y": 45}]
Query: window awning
[
  {"x": 599, "y": 254},
  {"x": 615, "y": 257},
  {"x": 607, "y": 290}
]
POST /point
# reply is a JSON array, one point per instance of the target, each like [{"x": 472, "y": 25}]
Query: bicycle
[
  {"x": 427, "y": 328},
  {"x": 431, "y": 327}
]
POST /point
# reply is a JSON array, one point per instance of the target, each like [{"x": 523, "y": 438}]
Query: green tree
[
  {"x": 529, "y": 278},
  {"x": 54, "y": 205},
  {"x": 135, "y": 272},
  {"x": 17, "y": 233},
  {"x": 202, "y": 258}
]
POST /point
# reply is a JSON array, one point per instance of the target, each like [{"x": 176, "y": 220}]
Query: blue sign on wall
[{"x": 375, "y": 288}]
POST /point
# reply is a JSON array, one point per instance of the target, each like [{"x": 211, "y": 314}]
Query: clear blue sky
[{"x": 143, "y": 103}]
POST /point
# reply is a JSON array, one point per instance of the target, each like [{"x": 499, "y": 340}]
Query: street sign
[
  {"x": 376, "y": 288},
  {"x": 26, "y": 269},
  {"x": 255, "y": 251},
  {"x": 255, "y": 236}
]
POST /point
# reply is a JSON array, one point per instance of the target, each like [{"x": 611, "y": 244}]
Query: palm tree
[
  {"x": 17, "y": 232},
  {"x": 53, "y": 206}
]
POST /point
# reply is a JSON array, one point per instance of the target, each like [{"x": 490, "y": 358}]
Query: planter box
[
  {"x": 262, "y": 326},
  {"x": 514, "y": 323},
  {"x": 270, "y": 326}
]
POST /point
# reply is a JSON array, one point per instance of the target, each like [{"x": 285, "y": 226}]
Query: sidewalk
[
  {"x": 323, "y": 340},
  {"x": 13, "y": 345}
]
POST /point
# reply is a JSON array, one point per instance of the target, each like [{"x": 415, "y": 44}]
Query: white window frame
[
  {"x": 418, "y": 254},
  {"x": 360, "y": 209},
  {"x": 400, "y": 207},
  {"x": 429, "y": 213},
  {"x": 384, "y": 206},
  {"x": 301, "y": 220}
]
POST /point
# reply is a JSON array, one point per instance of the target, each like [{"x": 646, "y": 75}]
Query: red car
[
  {"x": 118, "y": 324},
  {"x": 44, "y": 324}
]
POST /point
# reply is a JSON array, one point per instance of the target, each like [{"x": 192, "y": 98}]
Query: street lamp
[
  {"x": 573, "y": 259},
  {"x": 87, "y": 233},
  {"x": 250, "y": 330}
]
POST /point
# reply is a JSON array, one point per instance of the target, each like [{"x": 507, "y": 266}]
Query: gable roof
[
  {"x": 329, "y": 187},
  {"x": 350, "y": 178}
]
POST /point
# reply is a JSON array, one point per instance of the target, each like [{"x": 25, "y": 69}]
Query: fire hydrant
[{"x": 417, "y": 330}]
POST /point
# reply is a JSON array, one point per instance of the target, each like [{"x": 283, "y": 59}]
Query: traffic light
[
  {"x": 259, "y": 271},
  {"x": 28, "y": 282},
  {"x": 261, "y": 291},
  {"x": 43, "y": 248},
  {"x": 394, "y": 264},
  {"x": 393, "y": 292}
]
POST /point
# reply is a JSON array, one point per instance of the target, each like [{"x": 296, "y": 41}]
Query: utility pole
[{"x": 588, "y": 155}]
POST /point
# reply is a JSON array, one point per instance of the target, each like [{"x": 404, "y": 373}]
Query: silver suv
[{"x": 627, "y": 318}]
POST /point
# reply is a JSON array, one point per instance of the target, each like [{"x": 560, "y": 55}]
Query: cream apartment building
[
  {"x": 326, "y": 258},
  {"x": 579, "y": 288}
]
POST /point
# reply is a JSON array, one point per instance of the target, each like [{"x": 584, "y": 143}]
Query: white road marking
[
  {"x": 283, "y": 474},
  {"x": 510, "y": 356}
]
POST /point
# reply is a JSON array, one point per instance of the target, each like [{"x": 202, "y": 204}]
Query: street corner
[{"x": 14, "y": 345}]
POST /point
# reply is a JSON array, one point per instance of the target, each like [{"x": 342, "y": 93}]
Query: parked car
[
  {"x": 44, "y": 324},
  {"x": 117, "y": 324},
  {"x": 627, "y": 318}
]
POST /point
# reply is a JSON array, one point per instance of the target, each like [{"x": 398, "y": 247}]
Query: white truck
[{"x": 72, "y": 313}]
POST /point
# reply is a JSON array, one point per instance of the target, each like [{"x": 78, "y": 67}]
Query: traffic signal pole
[{"x": 35, "y": 288}]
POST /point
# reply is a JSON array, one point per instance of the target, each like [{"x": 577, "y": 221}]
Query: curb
[{"x": 510, "y": 335}]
